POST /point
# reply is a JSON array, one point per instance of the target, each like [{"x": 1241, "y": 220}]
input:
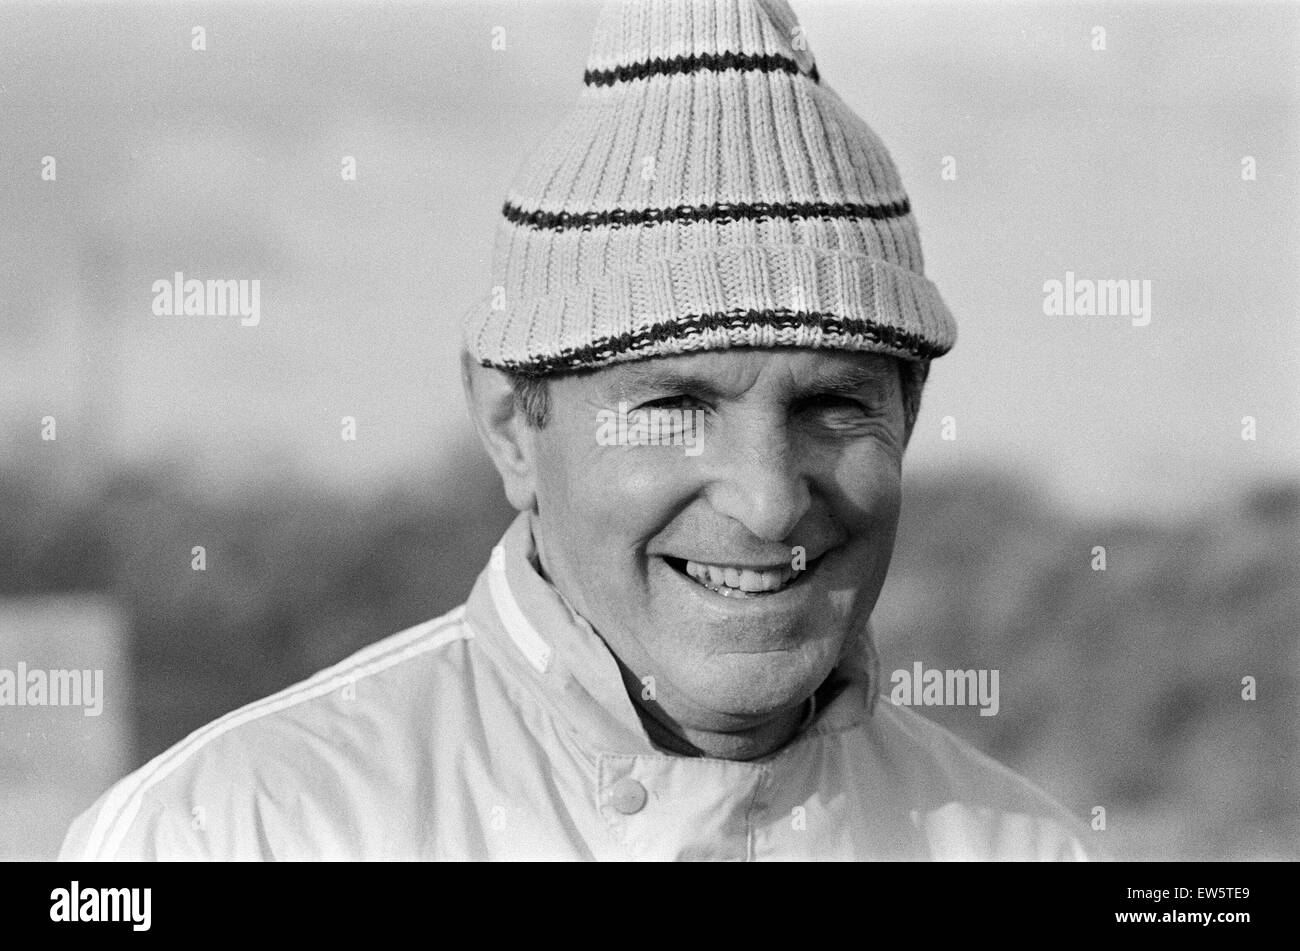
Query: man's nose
[{"x": 757, "y": 479}]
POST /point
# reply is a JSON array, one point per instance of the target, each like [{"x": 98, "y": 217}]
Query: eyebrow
[
  {"x": 850, "y": 380},
  {"x": 842, "y": 381}
]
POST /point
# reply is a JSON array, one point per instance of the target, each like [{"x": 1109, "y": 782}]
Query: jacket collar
[{"x": 529, "y": 626}]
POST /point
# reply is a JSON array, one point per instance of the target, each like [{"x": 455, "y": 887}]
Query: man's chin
[{"x": 755, "y": 686}]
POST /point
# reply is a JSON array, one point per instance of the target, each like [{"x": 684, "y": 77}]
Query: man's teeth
[{"x": 747, "y": 580}]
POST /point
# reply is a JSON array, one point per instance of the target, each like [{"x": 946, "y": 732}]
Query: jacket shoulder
[
  {"x": 970, "y": 806},
  {"x": 233, "y": 789}
]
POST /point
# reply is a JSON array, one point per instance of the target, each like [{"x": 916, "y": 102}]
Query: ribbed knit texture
[{"x": 707, "y": 192}]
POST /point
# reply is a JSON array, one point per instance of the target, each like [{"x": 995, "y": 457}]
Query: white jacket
[{"x": 503, "y": 731}]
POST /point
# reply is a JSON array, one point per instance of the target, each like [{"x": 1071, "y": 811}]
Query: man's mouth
[{"x": 739, "y": 582}]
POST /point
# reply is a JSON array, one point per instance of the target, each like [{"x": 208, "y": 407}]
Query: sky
[{"x": 1122, "y": 163}]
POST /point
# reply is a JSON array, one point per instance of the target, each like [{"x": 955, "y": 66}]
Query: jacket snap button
[{"x": 628, "y": 796}]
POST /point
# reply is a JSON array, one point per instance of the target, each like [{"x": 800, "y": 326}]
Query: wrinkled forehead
[{"x": 782, "y": 373}]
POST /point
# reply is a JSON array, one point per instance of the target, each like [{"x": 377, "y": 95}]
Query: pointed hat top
[{"x": 676, "y": 33}]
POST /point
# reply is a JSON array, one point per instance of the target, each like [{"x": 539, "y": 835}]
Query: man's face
[{"x": 682, "y": 561}]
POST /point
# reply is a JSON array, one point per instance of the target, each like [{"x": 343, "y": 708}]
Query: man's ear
[{"x": 504, "y": 431}]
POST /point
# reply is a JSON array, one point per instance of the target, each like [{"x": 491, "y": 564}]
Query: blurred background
[{"x": 1119, "y": 688}]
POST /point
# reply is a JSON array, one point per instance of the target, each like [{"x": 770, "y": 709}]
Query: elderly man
[{"x": 697, "y": 372}]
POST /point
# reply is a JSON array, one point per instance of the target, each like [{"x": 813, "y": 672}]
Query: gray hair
[{"x": 533, "y": 396}]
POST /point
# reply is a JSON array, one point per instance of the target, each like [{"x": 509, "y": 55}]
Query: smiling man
[
  {"x": 668, "y": 655},
  {"x": 732, "y": 582}
]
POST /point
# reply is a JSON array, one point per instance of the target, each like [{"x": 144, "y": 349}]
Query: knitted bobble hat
[{"x": 709, "y": 191}]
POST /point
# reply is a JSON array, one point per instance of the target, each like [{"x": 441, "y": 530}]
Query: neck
[{"x": 749, "y": 743}]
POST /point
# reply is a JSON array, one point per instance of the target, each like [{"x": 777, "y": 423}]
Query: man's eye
[
  {"x": 839, "y": 404},
  {"x": 681, "y": 401}
]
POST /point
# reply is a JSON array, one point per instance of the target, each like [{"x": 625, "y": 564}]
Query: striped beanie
[{"x": 709, "y": 191}]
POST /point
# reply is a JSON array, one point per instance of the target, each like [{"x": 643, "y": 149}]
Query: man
[{"x": 697, "y": 375}]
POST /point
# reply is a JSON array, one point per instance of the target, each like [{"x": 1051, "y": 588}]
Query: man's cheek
[
  {"x": 882, "y": 493},
  {"x": 644, "y": 470}
]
